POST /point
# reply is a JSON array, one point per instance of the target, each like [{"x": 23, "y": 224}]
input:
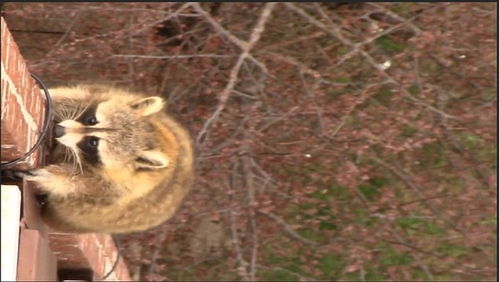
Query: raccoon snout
[{"x": 59, "y": 131}]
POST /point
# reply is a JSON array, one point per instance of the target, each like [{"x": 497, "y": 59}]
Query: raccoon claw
[
  {"x": 23, "y": 224},
  {"x": 37, "y": 174},
  {"x": 13, "y": 175},
  {"x": 25, "y": 173},
  {"x": 21, "y": 174}
]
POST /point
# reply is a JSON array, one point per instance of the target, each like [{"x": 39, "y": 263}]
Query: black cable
[
  {"x": 115, "y": 240},
  {"x": 43, "y": 133}
]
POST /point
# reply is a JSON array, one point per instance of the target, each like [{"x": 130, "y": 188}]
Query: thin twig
[
  {"x": 301, "y": 277},
  {"x": 417, "y": 190},
  {"x": 243, "y": 264},
  {"x": 388, "y": 223},
  {"x": 68, "y": 30},
  {"x": 131, "y": 69},
  {"x": 242, "y": 269},
  {"x": 230, "y": 139},
  {"x": 219, "y": 28},
  {"x": 250, "y": 188},
  {"x": 417, "y": 249},
  {"x": 285, "y": 226},
  {"x": 247, "y": 46},
  {"x": 232, "y": 38},
  {"x": 311, "y": 94},
  {"x": 293, "y": 41},
  {"x": 334, "y": 31},
  {"x": 292, "y": 61},
  {"x": 403, "y": 89},
  {"x": 423, "y": 266},
  {"x": 118, "y": 34},
  {"x": 171, "y": 57},
  {"x": 363, "y": 96},
  {"x": 407, "y": 22},
  {"x": 279, "y": 118},
  {"x": 158, "y": 241}
]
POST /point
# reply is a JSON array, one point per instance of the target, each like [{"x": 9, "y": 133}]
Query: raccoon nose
[{"x": 59, "y": 131}]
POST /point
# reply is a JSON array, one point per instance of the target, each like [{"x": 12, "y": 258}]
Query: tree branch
[{"x": 246, "y": 47}]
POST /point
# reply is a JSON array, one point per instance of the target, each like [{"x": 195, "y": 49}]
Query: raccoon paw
[
  {"x": 37, "y": 175},
  {"x": 51, "y": 180}
]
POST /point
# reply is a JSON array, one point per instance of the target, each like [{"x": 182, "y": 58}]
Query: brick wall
[
  {"x": 22, "y": 116},
  {"x": 96, "y": 251},
  {"x": 22, "y": 105}
]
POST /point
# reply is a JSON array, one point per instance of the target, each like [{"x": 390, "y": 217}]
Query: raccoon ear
[
  {"x": 152, "y": 160},
  {"x": 148, "y": 106}
]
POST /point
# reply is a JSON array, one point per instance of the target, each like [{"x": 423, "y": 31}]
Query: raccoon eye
[
  {"x": 88, "y": 117},
  {"x": 88, "y": 147},
  {"x": 93, "y": 142},
  {"x": 91, "y": 121}
]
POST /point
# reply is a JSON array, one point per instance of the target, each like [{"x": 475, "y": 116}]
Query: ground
[{"x": 333, "y": 141}]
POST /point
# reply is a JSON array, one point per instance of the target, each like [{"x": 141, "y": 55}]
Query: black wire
[
  {"x": 43, "y": 133},
  {"x": 115, "y": 240}
]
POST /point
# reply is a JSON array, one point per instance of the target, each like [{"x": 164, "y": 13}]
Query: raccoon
[{"x": 121, "y": 164}]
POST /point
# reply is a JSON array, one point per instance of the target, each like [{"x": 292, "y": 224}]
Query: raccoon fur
[{"x": 121, "y": 163}]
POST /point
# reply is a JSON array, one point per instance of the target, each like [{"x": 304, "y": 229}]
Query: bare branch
[
  {"x": 311, "y": 94},
  {"x": 68, "y": 30},
  {"x": 387, "y": 224},
  {"x": 300, "y": 276},
  {"x": 170, "y": 57},
  {"x": 279, "y": 118},
  {"x": 116, "y": 34},
  {"x": 285, "y": 226},
  {"x": 407, "y": 22},
  {"x": 423, "y": 266},
  {"x": 336, "y": 33},
  {"x": 403, "y": 89},
  {"x": 250, "y": 188},
  {"x": 417, "y": 190},
  {"x": 292, "y": 61},
  {"x": 242, "y": 269},
  {"x": 293, "y": 41},
  {"x": 247, "y": 46},
  {"x": 232, "y": 38},
  {"x": 218, "y": 28}
]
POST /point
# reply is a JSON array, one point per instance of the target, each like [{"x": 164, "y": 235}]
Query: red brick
[
  {"x": 29, "y": 104},
  {"x": 38, "y": 105},
  {"x": 11, "y": 153},
  {"x": 72, "y": 251},
  {"x": 88, "y": 250},
  {"x": 39, "y": 115},
  {"x": 4, "y": 91},
  {"x": 4, "y": 48},
  {"x": 6, "y": 97},
  {"x": 31, "y": 210},
  {"x": 7, "y": 88},
  {"x": 11, "y": 60},
  {"x": 37, "y": 261},
  {"x": 13, "y": 122}
]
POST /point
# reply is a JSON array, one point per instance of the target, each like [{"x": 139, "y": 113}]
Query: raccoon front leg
[{"x": 57, "y": 180}]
